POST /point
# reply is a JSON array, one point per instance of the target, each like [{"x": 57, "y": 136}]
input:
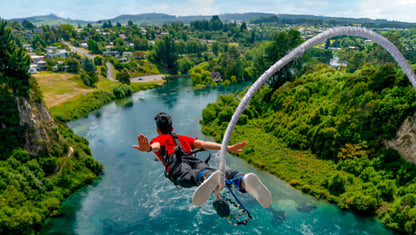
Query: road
[
  {"x": 110, "y": 72},
  {"x": 79, "y": 50},
  {"x": 110, "y": 68},
  {"x": 148, "y": 78}
]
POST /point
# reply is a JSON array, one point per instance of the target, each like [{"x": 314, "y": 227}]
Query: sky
[{"x": 92, "y": 10}]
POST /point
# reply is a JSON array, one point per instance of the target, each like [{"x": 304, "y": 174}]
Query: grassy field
[
  {"x": 60, "y": 87},
  {"x": 68, "y": 98}
]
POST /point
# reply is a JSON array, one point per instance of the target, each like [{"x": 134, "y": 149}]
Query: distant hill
[
  {"x": 160, "y": 18},
  {"x": 50, "y": 19}
]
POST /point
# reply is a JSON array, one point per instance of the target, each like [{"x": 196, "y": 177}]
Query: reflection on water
[
  {"x": 133, "y": 196},
  {"x": 125, "y": 103},
  {"x": 305, "y": 207}
]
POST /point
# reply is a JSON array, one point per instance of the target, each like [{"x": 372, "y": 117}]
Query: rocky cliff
[
  {"x": 405, "y": 142},
  {"x": 40, "y": 132}
]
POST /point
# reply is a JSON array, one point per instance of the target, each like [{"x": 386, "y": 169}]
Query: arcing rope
[{"x": 350, "y": 31}]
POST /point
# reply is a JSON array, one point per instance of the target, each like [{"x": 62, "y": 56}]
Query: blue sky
[{"x": 400, "y": 10}]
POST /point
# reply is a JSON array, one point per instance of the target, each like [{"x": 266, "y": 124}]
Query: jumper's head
[{"x": 164, "y": 123}]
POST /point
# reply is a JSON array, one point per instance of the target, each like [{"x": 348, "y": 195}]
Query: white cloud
[
  {"x": 185, "y": 8},
  {"x": 400, "y": 10}
]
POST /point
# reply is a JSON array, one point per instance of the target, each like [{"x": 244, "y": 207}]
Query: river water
[{"x": 133, "y": 196}]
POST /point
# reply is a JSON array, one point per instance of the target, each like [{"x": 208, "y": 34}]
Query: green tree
[
  {"x": 89, "y": 65},
  {"x": 200, "y": 76},
  {"x": 243, "y": 27},
  {"x": 27, "y": 25},
  {"x": 281, "y": 45},
  {"x": 37, "y": 42},
  {"x": 15, "y": 25},
  {"x": 73, "y": 65},
  {"x": 140, "y": 44},
  {"x": 98, "y": 60},
  {"x": 336, "y": 184},
  {"x": 119, "y": 42},
  {"x": 164, "y": 53},
  {"x": 93, "y": 46},
  {"x": 14, "y": 63},
  {"x": 123, "y": 77},
  {"x": 216, "y": 23}
]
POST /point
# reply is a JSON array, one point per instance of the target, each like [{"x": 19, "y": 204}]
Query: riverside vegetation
[
  {"x": 40, "y": 163},
  {"x": 325, "y": 126},
  {"x": 324, "y": 134}
]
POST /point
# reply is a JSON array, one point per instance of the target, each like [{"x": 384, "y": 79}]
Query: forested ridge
[
  {"x": 40, "y": 163},
  {"x": 323, "y": 133}
]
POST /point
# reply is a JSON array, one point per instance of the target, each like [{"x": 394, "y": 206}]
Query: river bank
[
  {"x": 133, "y": 197},
  {"x": 68, "y": 99}
]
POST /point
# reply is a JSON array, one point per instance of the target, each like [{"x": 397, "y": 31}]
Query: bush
[
  {"x": 336, "y": 184},
  {"x": 123, "y": 77},
  {"x": 122, "y": 91}
]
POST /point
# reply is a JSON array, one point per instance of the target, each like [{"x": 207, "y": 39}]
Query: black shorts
[{"x": 186, "y": 173}]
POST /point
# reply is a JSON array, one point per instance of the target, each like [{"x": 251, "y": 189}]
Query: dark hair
[{"x": 164, "y": 123}]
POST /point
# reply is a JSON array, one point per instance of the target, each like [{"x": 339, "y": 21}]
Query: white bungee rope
[{"x": 349, "y": 31}]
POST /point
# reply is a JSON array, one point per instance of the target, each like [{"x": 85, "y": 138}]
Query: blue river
[{"x": 133, "y": 197}]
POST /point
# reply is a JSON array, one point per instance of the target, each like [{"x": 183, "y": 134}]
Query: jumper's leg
[
  {"x": 203, "y": 192},
  {"x": 257, "y": 189}
]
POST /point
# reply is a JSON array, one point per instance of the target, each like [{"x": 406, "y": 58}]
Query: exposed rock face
[
  {"x": 40, "y": 131},
  {"x": 405, "y": 143}
]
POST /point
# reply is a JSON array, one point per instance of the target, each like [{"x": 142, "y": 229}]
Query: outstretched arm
[
  {"x": 144, "y": 144},
  {"x": 236, "y": 148}
]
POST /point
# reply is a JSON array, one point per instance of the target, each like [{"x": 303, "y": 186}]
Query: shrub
[
  {"x": 336, "y": 184},
  {"x": 122, "y": 91}
]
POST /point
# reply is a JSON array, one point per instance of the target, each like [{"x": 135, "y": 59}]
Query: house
[
  {"x": 57, "y": 54},
  {"x": 51, "y": 49},
  {"x": 28, "y": 35},
  {"x": 108, "y": 47},
  {"x": 123, "y": 60},
  {"x": 123, "y": 36},
  {"x": 112, "y": 53},
  {"x": 216, "y": 76},
  {"x": 162, "y": 34},
  {"x": 84, "y": 45},
  {"x": 127, "y": 54},
  {"x": 33, "y": 69},
  {"x": 36, "y": 58},
  {"x": 42, "y": 66},
  {"x": 38, "y": 30},
  {"x": 28, "y": 47}
]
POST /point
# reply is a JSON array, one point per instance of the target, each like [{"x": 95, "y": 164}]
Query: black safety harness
[
  {"x": 173, "y": 161},
  {"x": 173, "y": 164}
]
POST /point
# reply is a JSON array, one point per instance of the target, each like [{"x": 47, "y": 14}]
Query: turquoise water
[{"x": 133, "y": 196}]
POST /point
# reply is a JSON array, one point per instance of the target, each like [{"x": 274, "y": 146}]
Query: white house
[
  {"x": 33, "y": 69},
  {"x": 36, "y": 58},
  {"x": 127, "y": 54}
]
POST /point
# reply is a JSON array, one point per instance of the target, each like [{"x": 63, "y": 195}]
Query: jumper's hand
[
  {"x": 237, "y": 147},
  {"x": 144, "y": 145}
]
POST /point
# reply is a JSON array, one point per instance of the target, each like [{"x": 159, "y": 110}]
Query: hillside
[
  {"x": 41, "y": 162},
  {"x": 50, "y": 19},
  {"x": 160, "y": 18},
  {"x": 328, "y": 131}
]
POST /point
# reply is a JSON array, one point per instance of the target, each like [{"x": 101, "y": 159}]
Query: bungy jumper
[{"x": 339, "y": 31}]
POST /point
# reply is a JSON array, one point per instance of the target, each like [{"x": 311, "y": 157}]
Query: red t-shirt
[{"x": 167, "y": 141}]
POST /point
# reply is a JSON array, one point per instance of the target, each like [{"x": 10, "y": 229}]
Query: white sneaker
[
  {"x": 203, "y": 192},
  {"x": 257, "y": 189}
]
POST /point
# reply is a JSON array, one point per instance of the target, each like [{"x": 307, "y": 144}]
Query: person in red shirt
[{"x": 188, "y": 171}]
